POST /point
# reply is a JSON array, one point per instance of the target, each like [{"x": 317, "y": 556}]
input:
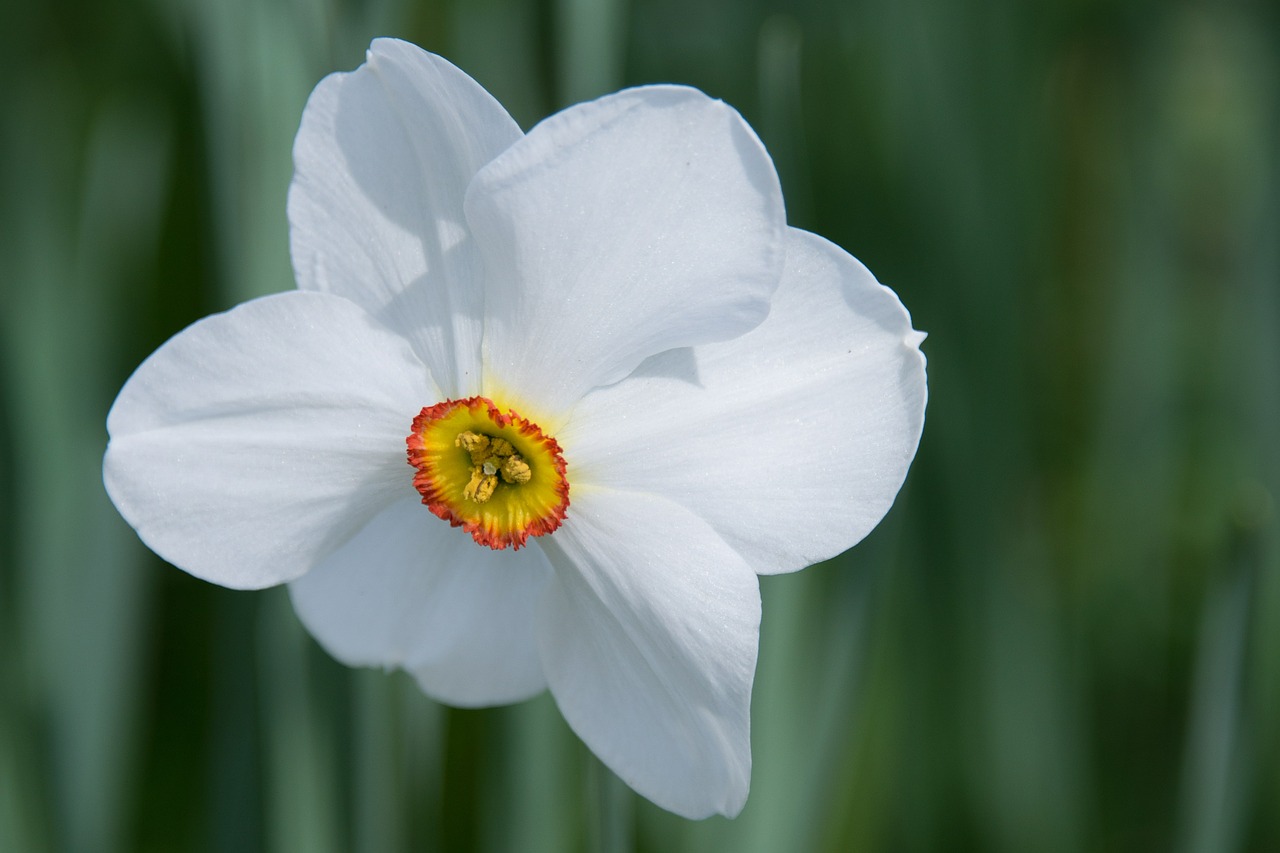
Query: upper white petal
[
  {"x": 617, "y": 229},
  {"x": 255, "y": 442},
  {"x": 649, "y": 633},
  {"x": 382, "y": 162},
  {"x": 792, "y": 440},
  {"x": 410, "y": 591}
]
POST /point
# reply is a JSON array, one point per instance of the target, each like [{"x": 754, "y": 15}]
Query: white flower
[{"x": 693, "y": 394}]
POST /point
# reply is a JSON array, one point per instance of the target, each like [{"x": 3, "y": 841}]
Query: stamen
[
  {"x": 489, "y": 455},
  {"x": 475, "y": 444},
  {"x": 516, "y": 470},
  {"x": 481, "y": 486}
]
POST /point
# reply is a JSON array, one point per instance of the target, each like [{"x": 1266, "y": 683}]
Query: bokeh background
[{"x": 1064, "y": 637}]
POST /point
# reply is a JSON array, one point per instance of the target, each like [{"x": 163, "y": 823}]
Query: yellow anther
[
  {"x": 475, "y": 444},
  {"x": 501, "y": 447},
  {"x": 515, "y": 470},
  {"x": 480, "y": 487}
]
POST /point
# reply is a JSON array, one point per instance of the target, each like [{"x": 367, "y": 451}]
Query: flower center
[{"x": 497, "y": 476}]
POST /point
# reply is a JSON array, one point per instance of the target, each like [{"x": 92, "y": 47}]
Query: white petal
[
  {"x": 793, "y": 440},
  {"x": 255, "y": 442},
  {"x": 410, "y": 591},
  {"x": 648, "y": 635},
  {"x": 617, "y": 229},
  {"x": 382, "y": 162}
]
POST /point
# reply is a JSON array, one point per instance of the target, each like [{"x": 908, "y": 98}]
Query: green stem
[{"x": 610, "y": 818}]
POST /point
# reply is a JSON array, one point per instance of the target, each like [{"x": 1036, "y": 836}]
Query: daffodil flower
[{"x": 540, "y": 411}]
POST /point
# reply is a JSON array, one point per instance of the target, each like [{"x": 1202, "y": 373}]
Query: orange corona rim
[{"x": 497, "y": 476}]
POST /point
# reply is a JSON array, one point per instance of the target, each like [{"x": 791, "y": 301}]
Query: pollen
[{"x": 493, "y": 473}]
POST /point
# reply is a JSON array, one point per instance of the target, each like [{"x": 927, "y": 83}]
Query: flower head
[{"x": 624, "y": 386}]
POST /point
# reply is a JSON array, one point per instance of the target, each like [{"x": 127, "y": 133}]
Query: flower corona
[{"x": 494, "y": 474}]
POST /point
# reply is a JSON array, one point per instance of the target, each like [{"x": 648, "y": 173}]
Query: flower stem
[{"x": 610, "y": 819}]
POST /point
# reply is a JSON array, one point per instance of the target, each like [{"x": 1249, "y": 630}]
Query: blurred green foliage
[{"x": 1064, "y": 637}]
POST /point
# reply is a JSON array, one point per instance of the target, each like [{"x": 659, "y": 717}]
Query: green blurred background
[{"x": 1064, "y": 637}]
